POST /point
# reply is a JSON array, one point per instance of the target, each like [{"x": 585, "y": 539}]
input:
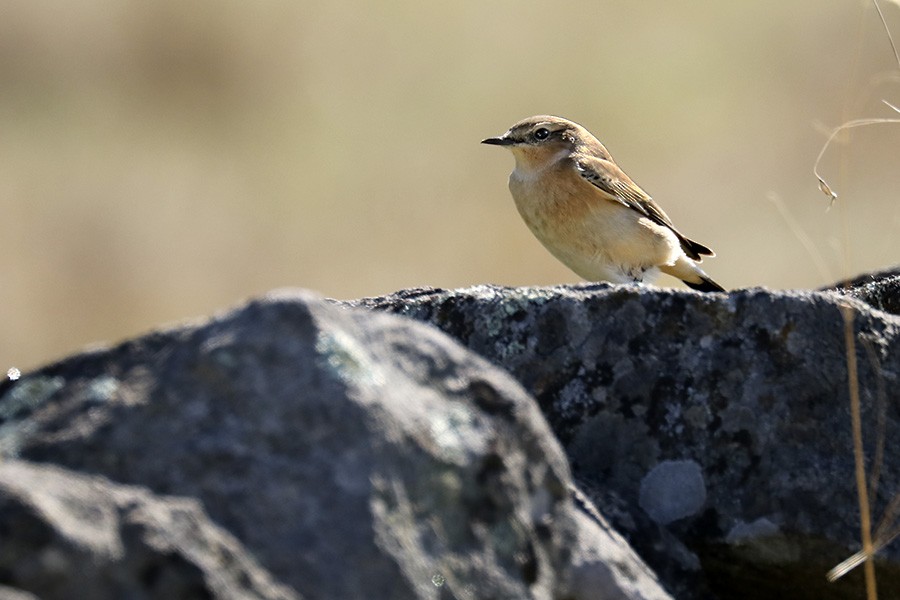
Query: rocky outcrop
[
  {"x": 712, "y": 430},
  {"x": 294, "y": 449},
  {"x": 299, "y": 448}
]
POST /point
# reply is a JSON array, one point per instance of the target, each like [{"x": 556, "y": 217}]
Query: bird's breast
[
  {"x": 592, "y": 234},
  {"x": 556, "y": 207}
]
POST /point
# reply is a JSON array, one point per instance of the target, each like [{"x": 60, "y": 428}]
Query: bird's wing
[{"x": 606, "y": 176}]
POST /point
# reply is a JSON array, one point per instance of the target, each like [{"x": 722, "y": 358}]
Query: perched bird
[{"x": 588, "y": 213}]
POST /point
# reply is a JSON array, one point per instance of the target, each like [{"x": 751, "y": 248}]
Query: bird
[{"x": 588, "y": 213}]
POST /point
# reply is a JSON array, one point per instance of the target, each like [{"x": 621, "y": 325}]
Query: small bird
[{"x": 588, "y": 213}]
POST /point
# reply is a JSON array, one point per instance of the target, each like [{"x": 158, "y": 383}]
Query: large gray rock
[
  {"x": 355, "y": 455},
  {"x": 713, "y": 430}
]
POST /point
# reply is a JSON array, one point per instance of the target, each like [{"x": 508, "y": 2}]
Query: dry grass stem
[
  {"x": 887, "y": 529},
  {"x": 868, "y": 550},
  {"x": 823, "y": 186},
  {"x": 887, "y": 30}
]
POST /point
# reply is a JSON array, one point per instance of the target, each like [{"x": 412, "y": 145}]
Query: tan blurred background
[{"x": 162, "y": 160}]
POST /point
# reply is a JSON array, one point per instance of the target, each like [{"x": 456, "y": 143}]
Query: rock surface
[
  {"x": 880, "y": 290},
  {"x": 746, "y": 393},
  {"x": 346, "y": 454},
  {"x": 67, "y": 535}
]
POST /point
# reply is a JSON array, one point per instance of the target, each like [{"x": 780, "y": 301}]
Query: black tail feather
[
  {"x": 706, "y": 285},
  {"x": 694, "y": 250}
]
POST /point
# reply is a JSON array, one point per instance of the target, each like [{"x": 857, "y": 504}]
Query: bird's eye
[{"x": 542, "y": 134}]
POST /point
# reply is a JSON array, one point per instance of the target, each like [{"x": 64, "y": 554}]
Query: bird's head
[{"x": 538, "y": 142}]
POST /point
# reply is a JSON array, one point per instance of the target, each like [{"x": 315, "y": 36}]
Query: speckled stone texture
[
  {"x": 880, "y": 290},
  {"x": 746, "y": 391},
  {"x": 353, "y": 455},
  {"x": 68, "y": 535}
]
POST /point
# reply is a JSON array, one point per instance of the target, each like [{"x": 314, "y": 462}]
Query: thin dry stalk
[
  {"x": 856, "y": 421},
  {"x": 887, "y": 30},
  {"x": 823, "y": 186},
  {"x": 883, "y": 537},
  {"x": 887, "y": 529}
]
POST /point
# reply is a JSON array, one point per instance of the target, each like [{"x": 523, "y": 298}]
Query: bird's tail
[
  {"x": 706, "y": 285},
  {"x": 687, "y": 270}
]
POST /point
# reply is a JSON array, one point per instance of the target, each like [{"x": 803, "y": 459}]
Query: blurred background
[{"x": 167, "y": 159}]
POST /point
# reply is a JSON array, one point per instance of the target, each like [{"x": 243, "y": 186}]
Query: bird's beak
[{"x": 499, "y": 141}]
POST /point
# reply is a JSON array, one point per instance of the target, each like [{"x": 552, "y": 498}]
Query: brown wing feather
[{"x": 606, "y": 176}]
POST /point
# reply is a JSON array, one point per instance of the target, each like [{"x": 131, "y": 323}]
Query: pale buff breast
[{"x": 596, "y": 237}]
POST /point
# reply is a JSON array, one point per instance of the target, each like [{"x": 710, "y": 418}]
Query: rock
[
  {"x": 8, "y": 593},
  {"x": 672, "y": 490},
  {"x": 751, "y": 387},
  {"x": 354, "y": 455},
  {"x": 880, "y": 290},
  {"x": 606, "y": 570},
  {"x": 64, "y": 531}
]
